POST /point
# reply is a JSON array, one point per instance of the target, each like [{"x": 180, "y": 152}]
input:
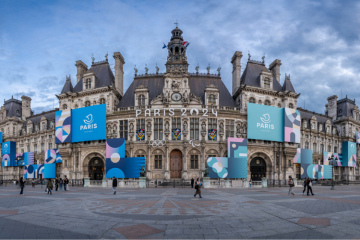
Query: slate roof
[
  {"x": 345, "y": 107},
  {"x": 35, "y": 119},
  {"x": 13, "y": 107},
  {"x": 251, "y": 77},
  {"x": 68, "y": 87},
  {"x": 197, "y": 84},
  {"x": 321, "y": 119},
  {"x": 104, "y": 77}
]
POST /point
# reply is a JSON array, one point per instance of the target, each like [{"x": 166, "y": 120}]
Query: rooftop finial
[
  {"x": 92, "y": 57},
  {"x": 197, "y": 68},
  {"x": 157, "y": 69},
  {"x": 219, "y": 68},
  {"x": 136, "y": 70},
  {"x": 263, "y": 58},
  {"x": 208, "y": 69},
  {"x": 249, "y": 56},
  {"x": 176, "y": 23},
  {"x": 106, "y": 56},
  {"x": 146, "y": 69}
]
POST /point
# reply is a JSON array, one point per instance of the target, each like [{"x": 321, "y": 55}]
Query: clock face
[{"x": 176, "y": 96}]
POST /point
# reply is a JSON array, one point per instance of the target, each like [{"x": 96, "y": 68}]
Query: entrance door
[
  {"x": 175, "y": 164},
  {"x": 257, "y": 169},
  {"x": 96, "y": 169}
]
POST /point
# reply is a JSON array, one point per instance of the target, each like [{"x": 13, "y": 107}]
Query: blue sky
[{"x": 317, "y": 42}]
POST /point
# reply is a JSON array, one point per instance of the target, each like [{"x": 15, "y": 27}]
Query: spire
[{"x": 177, "y": 60}]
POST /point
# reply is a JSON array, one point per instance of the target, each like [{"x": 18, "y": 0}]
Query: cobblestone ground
[{"x": 174, "y": 213}]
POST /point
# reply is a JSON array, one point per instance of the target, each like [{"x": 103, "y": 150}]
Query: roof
[
  {"x": 321, "y": 119},
  {"x": 251, "y": 77},
  {"x": 345, "y": 107},
  {"x": 197, "y": 84},
  {"x": 35, "y": 119},
  {"x": 13, "y": 108},
  {"x": 104, "y": 77},
  {"x": 68, "y": 87}
]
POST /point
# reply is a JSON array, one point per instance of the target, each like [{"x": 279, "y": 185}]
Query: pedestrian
[
  {"x": 61, "y": 182},
  {"x": 192, "y": 182},
  {"x": 14, "y": 183},
  {"x": 65, "y": 183},
  {"x": 33, "y": 184},
  {"x": 291, "y": 185},
  {"x": 83, "y": 182},
  {"x": 198, "y": 187},
  {"x": 304, "y": 186},
  {"x": 1, "y": 182},
  {"x": 22, "y": 185},
  {"x": 114, "y": 185},
  {"x": 49, "y": 186},
  {"x": 309, "y": 187},
  {"x": 56, "y": 184},
  {"x": 5, "y": 183},
  {"x": 250, "y": 182}
]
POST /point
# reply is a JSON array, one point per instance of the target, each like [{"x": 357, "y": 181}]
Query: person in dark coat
[
  {"x": 22, "y": 185},
  {"x": 309, "y": 187},
  {"x": 192, "y": 182},
  {"x": 305, "y": 181},
  {"x": 49, "y": 186},
  {"x": 198, "y": 187},
  {"x": 56, "y": 184},
  {"x": 114, "y": 185}
]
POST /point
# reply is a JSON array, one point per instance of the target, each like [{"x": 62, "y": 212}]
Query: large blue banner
[
  {"x": 349, "y": 154},
  {"x": 8, "y": 154},
  {"x": 0, "y": 137},
  {"x": 265, "y": 122},
  {"x": 89, "y": 123}
]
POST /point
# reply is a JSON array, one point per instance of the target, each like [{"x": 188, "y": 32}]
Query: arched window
[
  {"x": 314, "y": 147},
  {"x": 252, "y": 100},
  {"x": 176, "y": 49},
  {"x": 87, "y": 103},
  {"x": 260, "y": 102},
  {"x": 17, "y": 111},
  {"x": 212, "y": 99},
  {"x": 267, "y": 102},
  {"x": 64, "y": 106},
  {"x": 267, "y": 83},
  {"x": 141, "y": 100},
  {"x": 76, "y": 106},
  {"x": 279, "y": 105},
  {"x": 88, "y": 83},
  {"x": 291, "y": 105},
  {"x": 313, "y": 125},
  {"x": 102, "y": 101}
]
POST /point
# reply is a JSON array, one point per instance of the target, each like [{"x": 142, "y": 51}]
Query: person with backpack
[
  {"x": 309, "y": 186},
  {"x": 291, "y": 185},
  {"x": 114, "y": 185},
  {"x": 198, "y": 187},
  {"x": 304, "y": 186},
  {"x": 49, "y": 186},
  {"x": 22, "y": 185}
]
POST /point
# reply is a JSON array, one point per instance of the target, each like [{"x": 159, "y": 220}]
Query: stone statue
[
  {"x": 197, "y": 68},
  {"x": 159, "y": 96},
  {"x": 136, "y": 70},
  {"x": 263, "y": 59},
  {"x": 157, "y": 69},
  {"x": 206, "y": 173},
  {"x": 106, "y": 56},
  {"x": 149, "y": 127},
  {"x": 185, "y": 96},
  {"x": 238, "y": 128},
  {"x": 219, "y": 68},
  {"x": 167, "y": 127},
  {"x": 92, "y": 57},
  {"x": 131, "y": 127},
  {"x": 203, "y": 127},
  {"x": 143, "y": 172},
  {"x": 208, "y": 69},
  {"x": 185, "y": 126},
  {"x": 249, "y": 56},
  {"x": 221, "y": 127},
  {"x": 146, "y": 69},
  {"x": 114, "y": 129}
]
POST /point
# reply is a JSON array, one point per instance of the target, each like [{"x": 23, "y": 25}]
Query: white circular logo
[
  {"x": 89, "y": 119},
  {"x": 266, "y": 118}
]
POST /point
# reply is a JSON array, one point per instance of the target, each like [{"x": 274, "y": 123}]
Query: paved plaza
[{"x": 161, "y": 213}]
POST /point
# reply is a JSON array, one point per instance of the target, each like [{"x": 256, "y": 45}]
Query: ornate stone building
[{"x": 178, "y": 99}]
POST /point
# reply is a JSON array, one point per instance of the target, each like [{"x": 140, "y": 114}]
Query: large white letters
[{"x": 138, "y": 112}]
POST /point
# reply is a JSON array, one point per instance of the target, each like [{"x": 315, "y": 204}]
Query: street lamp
[{"x": 19, "y": 163}]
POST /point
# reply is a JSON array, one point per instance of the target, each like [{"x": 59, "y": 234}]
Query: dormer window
[
  {"x": 291, "y": 105},
  {"x": 64, "y": 106},
  {"x": 212, "y": 99},
  {"x": 267, "y": 83},
  {"x": 87, "y": 103},
  {"x": 252, "y": 100},
  {"x": 43, "y": 126},
  {"x": 88, "y": 83},
  {"x": 17, "y": 111},
  {"x": 141, "y": 100},
  {"x": 102, "y": 101},
  {"x": 267, "y": 102}
]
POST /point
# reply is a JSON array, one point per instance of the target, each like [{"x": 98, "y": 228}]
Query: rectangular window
[
  {"x": 229, "y": 128},
  {"x": 65, "y": 163},
  {"x": 158, "y": 128},
  {"x": 140, "y": 124},
  {"x": 329, "y": 148},
  {"x": 194, "y": 160},
  {"x": 42, "y": 147},
  {"x": 209, "y": 156},
  {"x": 140, "y": 156},
  {"x": 50, "y": 145},
  {"x": 42, "y": 137},
  {"x": 124, "y": 129},
  {"x": 194, "y": 128},
  {"x": 212, "y": 124},
  {"x": 22, "y": 150},
  {"x": 28, "y": 148},
  {"x": 335, "y": 149},
  {"x": 306, "y": 145},
  {"x": 50, "y": 136},
  {"x": 35, "y": 148},
  {"x": 158, "y": 161},
  {"x": 176, "y": 123}
]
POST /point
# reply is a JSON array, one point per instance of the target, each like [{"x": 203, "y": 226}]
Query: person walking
[
  {"x": 309, "y": 187},
  {"x": 61, "y": 182},
  {"x": 198, "y": 187},
  {"x": 22, "y": 185},
  {"x": 114, "y": 185},
  {"x": 56, "y": 184},
  {"x": 1, "y": 182},
  {"x": 304, "y": 185},
  {"x": 49, "y": 186},
  {"x": 65, "y": 183},
  {"x": 192, "y": 182},
  {"x": 291, "y": 185},
  {"x": 33, "y": 184},
  {"x": 250, "y": 182},
  {"x": 14, "y": 183}
]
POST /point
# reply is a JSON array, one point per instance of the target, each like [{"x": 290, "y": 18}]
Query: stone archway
[
  {"x": 176, "y": 164},
  {"x": 96, "y": 168},
  {"x": 257, "y": 169}
]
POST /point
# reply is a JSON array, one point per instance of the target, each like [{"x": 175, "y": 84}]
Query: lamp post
[{"x": 19, "y": 163}]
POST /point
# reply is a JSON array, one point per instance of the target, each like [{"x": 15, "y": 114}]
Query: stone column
[
  {"x": 202, "y": 163},
  {"x": 184, "y": 158},
  {"x": 148, "y": 159}
]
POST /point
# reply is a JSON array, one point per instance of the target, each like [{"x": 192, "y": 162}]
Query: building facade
[{"x": 188, "y": 102}]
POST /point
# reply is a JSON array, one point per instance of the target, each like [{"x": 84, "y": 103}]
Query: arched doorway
[
  {"x": 175, "y": 164},
  {"x": 257, "y": 169},
  {"x": 96, "y": 168}
]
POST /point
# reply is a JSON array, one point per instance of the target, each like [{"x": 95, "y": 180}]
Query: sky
[{"x": 317, "y": 42}]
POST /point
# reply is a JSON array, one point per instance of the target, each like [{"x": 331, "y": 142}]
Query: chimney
[
  {"x": 25, "y": 107},
  {"x": 274, "y": 67},
  {"x": 119, "y": 72},
  {"x": 236, "y": 73},
  {"x": 81, "y": 69},
  {"x": 331, "y": 107}
]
